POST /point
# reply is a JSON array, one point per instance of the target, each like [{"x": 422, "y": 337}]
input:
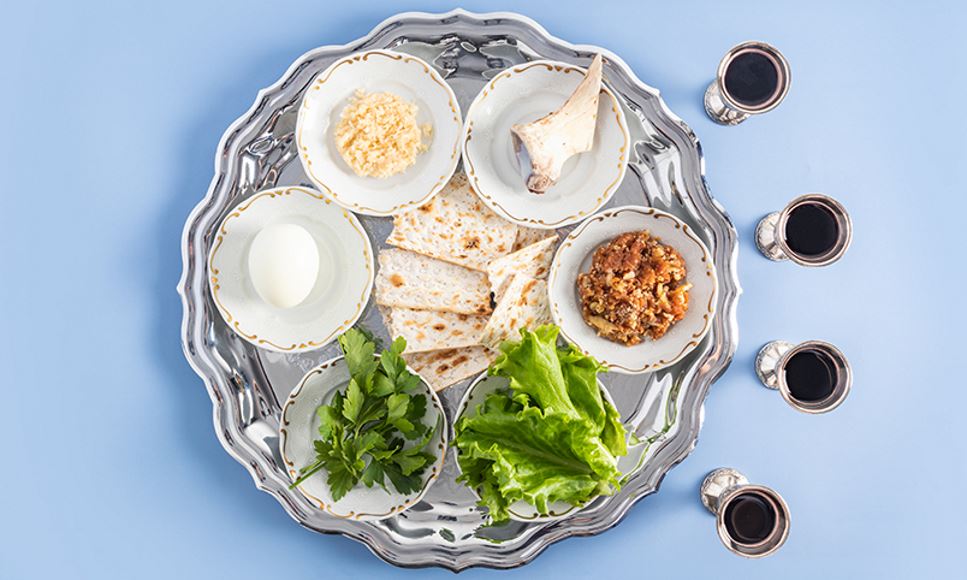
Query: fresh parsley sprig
[{"x": 364, "y": 431}]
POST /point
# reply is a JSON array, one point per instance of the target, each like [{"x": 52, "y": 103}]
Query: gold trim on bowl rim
[
  {"x": 491, "y": 201},
  {"x": 435, "y": 471},
  {"x": 329, "y": 191},
  {"x": 233, "y": 322},
  {"x": 708, "y": 315}
]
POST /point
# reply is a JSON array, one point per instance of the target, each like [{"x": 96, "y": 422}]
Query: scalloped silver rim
[{"x": 671, "y": 452}]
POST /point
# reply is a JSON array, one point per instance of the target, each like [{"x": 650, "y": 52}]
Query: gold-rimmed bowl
[
  {"x": 299, "y": 428},
  {"x": 524, "y": 93},
  {"x": 574, "y": 256},
  {"x": 339, "y": 295},
  {"x": 405, "y": 76},
  {"x": 444, "y": 529}
]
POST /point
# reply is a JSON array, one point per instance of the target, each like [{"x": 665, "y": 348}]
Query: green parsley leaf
[
  {"x": 416, "y": 409},
  {"x": 328, "y": 418},
  {"x": 322, "y": 448},
  {"x": 341, "y": 478},
  {"x": 372, "y": 410},
  {"x": 366, "y": 442},
  {"x": 409, "y": 463},
  {"x": 359, "y": 352},
  {"x": 382, "y": 385},
  {"x": 426, "y": 438},
  {"x": 363, "y": 430},
  {"x": 373, "y": 474},
  {"x": 402, "y": 483},
  {"x": 397, "y": 404},
  {"x": 392, "y": 364},
  {"x": 405, "y": 426},
  {"x": 354, "y": 401},
  {"x": 409, "y": 383}
]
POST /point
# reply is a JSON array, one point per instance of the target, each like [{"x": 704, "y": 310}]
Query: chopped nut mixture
[{"x": 636, "y": 288}]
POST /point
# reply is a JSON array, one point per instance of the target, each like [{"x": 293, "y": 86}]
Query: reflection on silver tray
[{"x": 664, "y": 408}]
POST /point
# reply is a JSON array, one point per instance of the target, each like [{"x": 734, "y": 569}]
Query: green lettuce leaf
[{"x": 549, "y": 437}]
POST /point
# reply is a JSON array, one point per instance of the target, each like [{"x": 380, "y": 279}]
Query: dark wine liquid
[
  {"x": 749, "y": 518},
  {"x": 810, "y": 375},
  {"x": 811, "y": 230},
  {"x": 752, "y": 78}
]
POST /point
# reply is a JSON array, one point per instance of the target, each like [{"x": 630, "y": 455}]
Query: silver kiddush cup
[
  {"x": 751, "y": 520},
  {"x": 731, "y": 107},
  {"x": 772, "y": 234},
  {"x": 772, "y": 363}
]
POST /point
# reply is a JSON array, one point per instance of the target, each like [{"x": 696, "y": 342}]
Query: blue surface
[{"x": 112, "y": 114}]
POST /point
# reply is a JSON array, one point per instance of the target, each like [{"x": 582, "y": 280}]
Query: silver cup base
[
  {"x": 765, "y": 238},
  {"x": 718, "y": 110},
  {"x": 767, "y": 362},
  {"x": 716, "y": 483}
]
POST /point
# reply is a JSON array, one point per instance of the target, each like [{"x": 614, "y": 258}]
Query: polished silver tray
[{"x": 246, "y": 384}]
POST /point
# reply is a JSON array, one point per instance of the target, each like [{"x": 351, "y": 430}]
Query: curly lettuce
[{"x": 549, "y": 437}]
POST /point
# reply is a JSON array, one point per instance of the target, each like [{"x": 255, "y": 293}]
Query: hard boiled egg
[{"x": 283, "y": 263}]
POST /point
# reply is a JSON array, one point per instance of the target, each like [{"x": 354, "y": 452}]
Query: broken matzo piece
[
  {"x": 411, "y": 280},
  {"x": 529, "y": 236},
  {"x": 442, "y": 368},
  {"x": 523, "y": 305},
  {"x": 434, "y": 330},
  {"x": 454, "y": 226},
  {"x": 533, "y": 261}
]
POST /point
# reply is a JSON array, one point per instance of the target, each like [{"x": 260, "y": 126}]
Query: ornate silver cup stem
[
  {"x": 765, "y": 238},
  {"x": 716, "y": 483},
  {"x": 719, "y": 110},
  {"x": 767, "y": 362}
]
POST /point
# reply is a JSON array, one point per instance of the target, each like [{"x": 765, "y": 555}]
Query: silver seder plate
[{"x": 664, "y": 408}]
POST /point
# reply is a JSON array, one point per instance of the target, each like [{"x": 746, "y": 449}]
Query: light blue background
[{"x": 111, "y": 116}]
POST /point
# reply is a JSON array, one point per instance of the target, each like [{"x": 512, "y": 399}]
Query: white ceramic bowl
[
  {"x": 520, "y": 510},
  {"x": 339, "y": 295},
  {"x": 377, "y": 71},
  {"x": 522, "y": 94},
  {"x": 299, "y": 428},
  {"x": 574, "y": 256}
]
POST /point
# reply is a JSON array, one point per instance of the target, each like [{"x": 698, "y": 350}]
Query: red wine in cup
[
  {"x": 750, "y": 518},
  {"x": 811, "y": 230},
  {"x": 810, "y": 375},
  {"x": 753, "y": 78}
]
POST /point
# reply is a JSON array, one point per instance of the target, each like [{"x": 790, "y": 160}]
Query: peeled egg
[{"x": 283, "y": 263}]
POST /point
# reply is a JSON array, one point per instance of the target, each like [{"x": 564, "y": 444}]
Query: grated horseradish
[{"x": 378, "y": 136}]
